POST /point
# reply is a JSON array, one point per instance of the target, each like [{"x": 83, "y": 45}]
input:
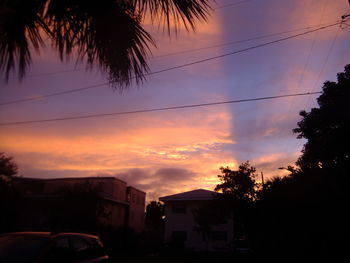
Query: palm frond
[
  {"x": 174, "y": 12},
  {"x": 20, "y": 25},
  {"x": 109, "y": 35}
]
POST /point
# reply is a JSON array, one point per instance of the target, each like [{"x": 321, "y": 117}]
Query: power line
[
  {"x": 312, "y": 47},
  {"x": 187, "y": 50},
  {"x": 325, "y": 61},
  {"x": 237, "y": 41},
  {"x": 328, "y": 55},
  {"x": 156, "y": 109},
  {"x": 172, "y": 68},
  {"x": 81, "y": 69}
]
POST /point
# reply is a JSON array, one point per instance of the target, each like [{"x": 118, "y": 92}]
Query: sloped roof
[{"x": 198, "y": 194}]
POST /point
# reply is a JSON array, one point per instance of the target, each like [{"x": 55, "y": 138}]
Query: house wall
[
  {"x": 115, "y": 214},
  {"x": 176, "y": 223}
]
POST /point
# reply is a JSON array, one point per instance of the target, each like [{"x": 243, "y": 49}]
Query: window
[
  {"x": 79, "y": 244},
  {"x": 179, "y": 208},
  {"x": 62, "y": 243},
  {"x": 81, "y": 249},
  {"x": 61, "y": 251}
]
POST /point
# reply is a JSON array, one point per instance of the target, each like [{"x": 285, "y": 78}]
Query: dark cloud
[
  {"x": 156, "y": 182},
  {"x": 173, "y": 174}
]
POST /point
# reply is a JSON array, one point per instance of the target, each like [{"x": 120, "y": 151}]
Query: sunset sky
[{"x": 178, "y": 150}]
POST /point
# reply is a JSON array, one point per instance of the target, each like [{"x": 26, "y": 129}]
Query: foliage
[
  {"x": 305, "y": 215},
  {"x": 8, "y": 195},
  {"x": 236, "y": 193},
  {"x": 327, "y": 128},
  {"x": 8, "y": 168},
  {"x": 107, "y": 33},
  {"x": 211, "y": 213},
  {"x": 239, "y": 185},
  {"x": 154, "y": 216}
]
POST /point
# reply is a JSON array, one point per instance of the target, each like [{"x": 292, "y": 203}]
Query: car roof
[
  {"x": 75, "y": 234},
  {"x": 51, "y": 235}
]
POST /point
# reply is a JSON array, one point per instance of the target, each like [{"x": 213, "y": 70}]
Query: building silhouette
[{"x": 123, "y": 205}]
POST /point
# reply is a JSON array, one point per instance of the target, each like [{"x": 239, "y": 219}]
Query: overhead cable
[
  {"x": 174, "y": 67},
  {"x": 154, "y": 109}
]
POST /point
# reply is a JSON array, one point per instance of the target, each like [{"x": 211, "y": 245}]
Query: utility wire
[
  {"x": 238, "y": 41},
  {"x": 331, "y": 47},
  {"x": 172, "y": 68},
  {"x": 307, "y": 61},
  {"x": 156, "y": 109},
  {"x": 186, "y": 51},
  {"x": 311, "y": 48},
  {"x": 325, "y": 62},
  {"x": 81, "y": 69}
]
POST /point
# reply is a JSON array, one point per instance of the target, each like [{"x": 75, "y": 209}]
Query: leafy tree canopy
[
  {"x": 240, "y": 185},
  {"x": 327, "y": 128},
  {"x": 8, "y": 167},
  {"x": 154, "y": 214},
  {"x": 107, "y": 33},
  {"x": 8, "y": 195}
]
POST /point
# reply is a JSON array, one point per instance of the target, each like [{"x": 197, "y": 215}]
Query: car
[{"x": 45, "y": 247}]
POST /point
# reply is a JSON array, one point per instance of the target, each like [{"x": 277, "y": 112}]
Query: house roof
[{"x": 194, "y": 195}]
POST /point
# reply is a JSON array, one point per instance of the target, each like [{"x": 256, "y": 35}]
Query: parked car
[
  {"x": 242, "y": 246},
  {"x": 44, "y": 247}
]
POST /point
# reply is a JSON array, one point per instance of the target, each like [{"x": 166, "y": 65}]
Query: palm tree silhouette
[{"x": 107, "y": 33}]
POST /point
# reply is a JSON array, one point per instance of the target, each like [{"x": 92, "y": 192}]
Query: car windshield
[{"x": 21, "y": 248}]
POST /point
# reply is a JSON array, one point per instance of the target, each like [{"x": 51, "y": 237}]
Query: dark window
[
  {"x": 97, "y": 248},
  {"x": 219, "y": 235},
  {"x": 62, "y": 243},
  {"x": 79, "y": 244},
  {"x": 179, "y": 208},
  {"x": 81, "y": 248},
  {"x": 60, "y": 251},
  {"x": 133, "y": 198}
]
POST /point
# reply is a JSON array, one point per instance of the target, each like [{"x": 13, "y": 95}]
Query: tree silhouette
[
  {"x": 8, "y": 168},
  {"x": 239, "y": 185},
  {"x": 107, "y": 33},
  {"x": 327, "y": 128},
  {"x": 239, "y": 191},
  {"x": 305, "y": 215},
  {"x": 8, "y": 195},
  {"x": 154, "y": 215}
]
